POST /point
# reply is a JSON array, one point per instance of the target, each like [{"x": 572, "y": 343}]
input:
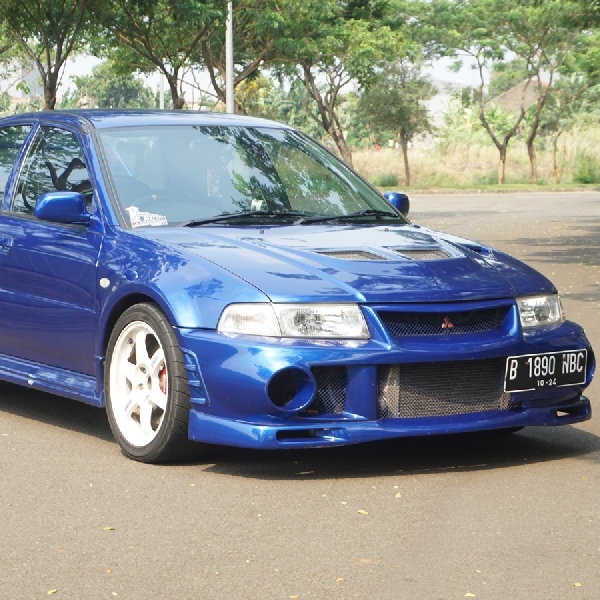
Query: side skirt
[{"x": 50, "y": 379}]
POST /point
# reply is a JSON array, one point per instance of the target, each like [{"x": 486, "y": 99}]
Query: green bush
[
  {"x": 587, "y": 169},
  {"x": 386, "y": 180}
]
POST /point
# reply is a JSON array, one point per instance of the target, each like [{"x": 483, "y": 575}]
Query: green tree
[
  {"x": 257, "y": 27},
  {"x": 110, "y": 90},
  {"x": 543, "y": 35},
  {"x": 48, "y": 31},
  {"x": 332, "y": 47},
  {"x": 505, "y": 75},
  {"x": 163, "y": 35},
  {"x": 466, "y": 29},
  {"x": 395, "y": 103}
]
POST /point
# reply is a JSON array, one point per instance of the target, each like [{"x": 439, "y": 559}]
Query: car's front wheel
[{"x": 145, "y": 383}]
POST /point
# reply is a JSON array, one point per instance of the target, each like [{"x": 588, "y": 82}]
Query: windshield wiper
[
  {"x": 369, "y": 212},
  {"x": 286, "y": 214}
]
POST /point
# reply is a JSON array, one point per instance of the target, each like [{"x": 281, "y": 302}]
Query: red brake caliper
[{"x": 162, "y": 380}]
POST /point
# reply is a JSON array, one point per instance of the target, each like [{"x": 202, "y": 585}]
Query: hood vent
[
  {"x": 434, "y": 254},
  {"x": 353, "y": 255}
]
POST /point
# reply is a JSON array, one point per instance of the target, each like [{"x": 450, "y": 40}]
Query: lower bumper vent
[
  {"x": 439, "y": 389},
  {"x": 331, "y": 390}
]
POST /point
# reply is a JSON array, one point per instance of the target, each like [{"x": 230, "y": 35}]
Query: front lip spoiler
[{"x": 216, "y": 430}]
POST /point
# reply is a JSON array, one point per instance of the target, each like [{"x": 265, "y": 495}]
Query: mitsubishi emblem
[{"x": 447, "y": 324}]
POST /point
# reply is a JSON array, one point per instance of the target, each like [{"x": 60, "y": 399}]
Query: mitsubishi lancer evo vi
[{"x": 217, "y": 279}]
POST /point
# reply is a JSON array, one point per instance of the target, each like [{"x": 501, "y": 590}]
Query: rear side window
[{"x": 11, "y": 140}]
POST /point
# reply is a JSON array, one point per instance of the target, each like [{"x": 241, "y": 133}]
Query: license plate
[{"x": 539, "y": 371}]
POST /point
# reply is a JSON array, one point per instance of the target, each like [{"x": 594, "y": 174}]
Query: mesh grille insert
[
  {"x": 444, "y": 323},
  {"x": 439, "y": 389},
  {"x": 424, "y": 254},
  {"x": 331, "y": 390},
  {"x": 353, "y": 255}
]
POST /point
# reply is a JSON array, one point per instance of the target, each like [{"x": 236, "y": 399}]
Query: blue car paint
[{"x": 193, "y": 274}]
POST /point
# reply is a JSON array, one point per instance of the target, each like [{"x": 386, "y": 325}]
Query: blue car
[{"x": 217, "y": 279}]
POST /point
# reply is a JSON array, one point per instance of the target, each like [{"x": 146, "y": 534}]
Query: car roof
[{"x": 102, "y": 118}]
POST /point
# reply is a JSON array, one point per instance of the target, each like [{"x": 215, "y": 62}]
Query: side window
[
  {"x": 55, "y": 163},
  {"x": 11, "y": 140}
]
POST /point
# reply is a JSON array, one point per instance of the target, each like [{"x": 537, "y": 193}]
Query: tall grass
[{"x": 473, "y": 163}]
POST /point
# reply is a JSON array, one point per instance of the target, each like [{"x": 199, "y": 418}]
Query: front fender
[{"x": 190, "y": 290}]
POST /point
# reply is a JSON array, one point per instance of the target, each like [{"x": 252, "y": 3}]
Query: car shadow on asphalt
[
  {"x": 54, "y": 410},
  {"x": 431, "y": 454},
  {"x": 580, "y": 244},
  {"x": 443, "y": 453}
]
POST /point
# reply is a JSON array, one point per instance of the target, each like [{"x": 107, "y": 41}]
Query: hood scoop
[
  {"x": 353, "y": 255},
  {"x": 432, "y": 254}
]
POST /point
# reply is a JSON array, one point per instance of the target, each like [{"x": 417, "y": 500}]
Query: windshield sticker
[{"x": 145, "y": 219}]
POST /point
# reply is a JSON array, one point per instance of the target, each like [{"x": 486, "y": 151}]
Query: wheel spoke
[
  {"x": 141, "y": 353},
  {"x": 146, "y": 417},
  {"x": 131, "y": 405},
  {"x": 157, "y": 397},
  {"x": 157, "y": 362},
  {"x": 128, "y": 371}
]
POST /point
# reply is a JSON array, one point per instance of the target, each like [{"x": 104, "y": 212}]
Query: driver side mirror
[
  {"x": 399, "y": 201},
  {"x": 62, "y": 207}
]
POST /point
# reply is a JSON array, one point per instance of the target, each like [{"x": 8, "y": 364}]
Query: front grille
[
  {"x": 353, "y": 255},
  {"x": 439, "y": 389},
  {"x": 331, "y": 390},
  {"x": 439, "y": 323},
  {"x": 424, "y": 254}
]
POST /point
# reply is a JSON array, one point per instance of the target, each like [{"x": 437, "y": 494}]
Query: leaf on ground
[
  {"x": 577, "y": 584},
  {"x": 362, "y": 512},
  {"x": 469, "y": 595},
  {"x": 339, "y": 579},
  {"x": 108, "y": 528},
  {"x": 50, "y": 592},
  {"x": 398, "y": 495}
]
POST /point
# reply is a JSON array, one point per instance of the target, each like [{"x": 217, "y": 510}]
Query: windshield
[{"x": 182, "y": 175}]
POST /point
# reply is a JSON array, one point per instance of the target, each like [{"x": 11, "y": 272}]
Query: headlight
[
  {"x": 540, "y": 310},
  {"x": 337, "y": 321}
]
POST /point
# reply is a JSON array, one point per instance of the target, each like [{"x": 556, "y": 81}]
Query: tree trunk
[
  {"x": 557, "y": 173},
  {"x": 532, "y": 161},
  {"x": 50, "y": 85},
  {"x": 344, "y": 149},
  {"x": 404, "y": 146},
  {"x": 326, "y": 115},
  {"x": 178, "y": 101},
  {"x": 502, "y": 164}
]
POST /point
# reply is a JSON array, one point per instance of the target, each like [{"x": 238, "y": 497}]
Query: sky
[{"x": 83, "y": 65}]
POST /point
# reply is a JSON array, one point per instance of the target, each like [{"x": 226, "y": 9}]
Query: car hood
[{"x": 353, "y": 263}]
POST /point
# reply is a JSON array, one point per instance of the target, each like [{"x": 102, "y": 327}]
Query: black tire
[{"x": 143, "y": 345}]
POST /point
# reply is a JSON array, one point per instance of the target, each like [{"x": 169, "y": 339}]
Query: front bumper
[
  {"x": 283, "y": 434},
  {"x": 231, "y": 386}
]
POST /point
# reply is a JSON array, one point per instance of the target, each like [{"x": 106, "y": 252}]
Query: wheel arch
[{"x": 116, "y": 311}]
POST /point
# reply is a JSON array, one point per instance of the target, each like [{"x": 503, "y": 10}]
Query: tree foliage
[
  {"x": 48, "y": 32},
  {"x": 395, "y": 104},
  {"x": 163, "y": 35},
  {"x": 109, "y": 90}
]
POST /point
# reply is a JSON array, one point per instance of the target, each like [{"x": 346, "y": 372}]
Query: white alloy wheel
[
  {"x": 138, "y": 383},
  {"x": 146, "y": 388}
]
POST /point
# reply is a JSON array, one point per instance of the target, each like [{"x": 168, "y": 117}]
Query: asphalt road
[{"x": 473, "y": 516}]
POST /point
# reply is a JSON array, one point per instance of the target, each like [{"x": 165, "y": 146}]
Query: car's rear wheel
[{"x": 147, "y": 394}]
